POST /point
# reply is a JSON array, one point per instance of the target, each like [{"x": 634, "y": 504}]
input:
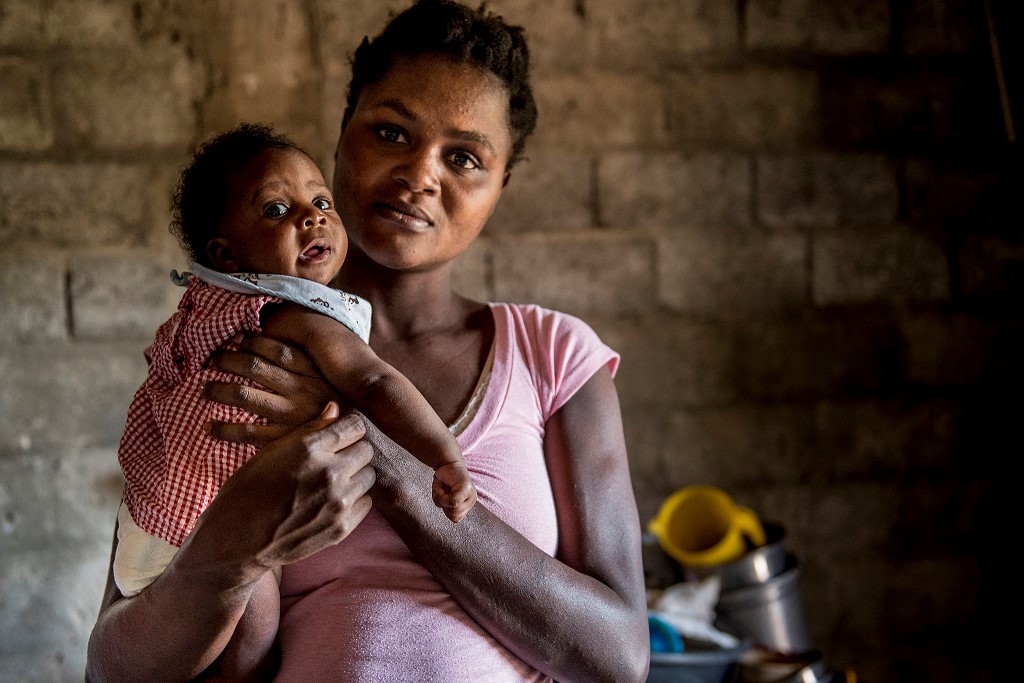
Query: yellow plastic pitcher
[{"x": 702, "y": 525}]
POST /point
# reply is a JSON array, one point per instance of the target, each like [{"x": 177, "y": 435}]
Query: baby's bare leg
[
  {"x": 453, "y": 490},
  {"x": 251, "y": 654}
]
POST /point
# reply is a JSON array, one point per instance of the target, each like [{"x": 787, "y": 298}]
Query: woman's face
[{"x": 421, "y": 162}]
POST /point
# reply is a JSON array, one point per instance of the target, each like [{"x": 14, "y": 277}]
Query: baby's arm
[{"x": 380, "y": 392}]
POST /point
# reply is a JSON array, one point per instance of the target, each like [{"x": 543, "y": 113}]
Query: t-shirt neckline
[{"x": 496, "y": 388}]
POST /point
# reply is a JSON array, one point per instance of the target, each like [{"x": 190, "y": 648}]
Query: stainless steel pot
[
  {"x": 758, "y": 565},
  {"x": 770, "y": 612}
]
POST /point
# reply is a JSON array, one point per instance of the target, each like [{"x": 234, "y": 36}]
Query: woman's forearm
[
  {"x": 301, "y": 493},
  {"x": 171, "y": 631},
  {"x": 563, "y": 622}
]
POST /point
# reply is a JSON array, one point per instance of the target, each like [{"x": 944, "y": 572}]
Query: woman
[{"x": 543, "y": 579}]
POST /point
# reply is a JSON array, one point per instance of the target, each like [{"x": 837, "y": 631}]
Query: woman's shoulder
[
  {"x": 558, "y": 350},
  {"x": 541, "y": 323},
  {"x": 551, "y": 337}
]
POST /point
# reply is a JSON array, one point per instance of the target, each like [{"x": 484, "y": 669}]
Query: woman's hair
[
  {"x": 474, "y": 36},
  {"x": 204, "y": 185}
]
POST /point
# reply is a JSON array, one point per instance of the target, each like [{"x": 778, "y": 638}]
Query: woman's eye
[
  {"x": 322, "y": 204},
  {"x": 463, "y": 160},
  {"x": 275, "y": 210},
  {"x": 392, "y": 134}
]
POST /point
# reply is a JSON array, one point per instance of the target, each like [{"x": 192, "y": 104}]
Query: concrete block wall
[{"x": 795, "y": 219}]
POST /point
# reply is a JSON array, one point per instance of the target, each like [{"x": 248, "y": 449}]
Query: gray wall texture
[{"x": 795, "y": 219}]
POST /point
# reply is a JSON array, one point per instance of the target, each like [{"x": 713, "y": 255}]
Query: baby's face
[{"x": 280, "y": 218}]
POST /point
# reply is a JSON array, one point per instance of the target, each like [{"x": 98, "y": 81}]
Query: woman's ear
[{"x": 221, "y": 255}]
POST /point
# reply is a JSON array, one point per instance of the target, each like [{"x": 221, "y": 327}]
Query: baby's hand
[{"x": 453, "y": 491}]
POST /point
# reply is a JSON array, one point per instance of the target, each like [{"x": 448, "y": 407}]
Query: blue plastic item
[{"x": 664, "y": 637}]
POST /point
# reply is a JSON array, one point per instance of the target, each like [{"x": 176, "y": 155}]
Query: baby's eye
[
  {"x": 392, "y": 134},
  {"x": 275, "y": 210},
  {"x": 464, "y": 160},
  {"x": 322, "y": 203}
]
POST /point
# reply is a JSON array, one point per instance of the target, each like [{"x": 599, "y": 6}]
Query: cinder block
[
  {"x": 900, "y": 107},
  {"x": 550, "y": 28},
  {"x": 471, "y": 272},
  {"x": 884, "y": 439},
  {"x": 639, "y": 34},
  {"x": 66, "y": 398},
  {"x": 548, "y": 191},
  {"x": 58, "y": 500},
  {"x": 858, "y": 268},
  {"x": 341, "y": 27},
  {"x": 157, "y": 237},
  {"x": 645, "y": 431},
  {"x": 21, "y": 23},
  {"x": 841, "y": 27},
  {"x": 143, "y": 99},
  {"x": 57, "y": 205},
  {"x": 598, "y": 112},
  {"x": 991, "y": 266},
  {"x": 126, "y": 295},
  {"x": 976, "y": 192},
  {"x": 934, "y": 590},
  {"x": 661, "y": 189},
  {"x": 842, "y": 596},
  {"x": 713, "y": 272},
  {"x": 855, "y": 518},
  {"x": 585, "y": 273},
  {"x": 896, "y": 605},
  {"x": 937, "y": 27},
  {"x": 51, "y": 596},
  {"x": 56, "y": 522},
  {"x": 670, "y": 363},
  {"x": 826, "y": 189},
  {"x": 25, "y": 121},
  {"x": 740, "y": 446},
  {"x": 953, "y": 592},
  {"x": 951, "y": 350},
  {"x": 942, "y": 516},
  {"x": 818, "y": 359},
  {"x": 268, "y": 76},
  {"x": 89, "y": 23},
  {"x": 753, "y": 108},
  {"x": 33, "y": 305}
]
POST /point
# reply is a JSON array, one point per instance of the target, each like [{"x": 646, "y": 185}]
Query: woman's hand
[
  {"x": 312, "y": 487},
  {"x": 293, "y": 390}
]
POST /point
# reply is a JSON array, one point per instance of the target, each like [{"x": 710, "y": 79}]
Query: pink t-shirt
[{"x": 365, "y": 610}]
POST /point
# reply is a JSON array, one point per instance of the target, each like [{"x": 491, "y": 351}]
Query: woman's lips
[{"x": 407, "y": 216}]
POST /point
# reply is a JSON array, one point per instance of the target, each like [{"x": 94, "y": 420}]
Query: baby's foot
[{"x": 453, "y": 490}]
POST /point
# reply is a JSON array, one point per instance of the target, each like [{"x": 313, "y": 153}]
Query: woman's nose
[{"x": 418, "y": 173}]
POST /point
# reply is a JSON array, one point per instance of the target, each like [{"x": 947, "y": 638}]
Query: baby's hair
[
  {"x": 204, "y": 185},
  {"x": 444, "y": 27}
]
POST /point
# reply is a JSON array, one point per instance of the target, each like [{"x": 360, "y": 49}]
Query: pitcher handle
[{"x": 750, "y": 524}]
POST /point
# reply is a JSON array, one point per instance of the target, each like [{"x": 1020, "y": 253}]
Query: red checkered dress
[{"x": 173, "y": 468}]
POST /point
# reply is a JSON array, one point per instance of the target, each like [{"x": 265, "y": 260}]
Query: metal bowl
[
  {"x": 770, "y": 613},
  {"x": 764, "y": 666},
  {"x": 759, "y": 565},
  {"x": 696, "y": 665}
]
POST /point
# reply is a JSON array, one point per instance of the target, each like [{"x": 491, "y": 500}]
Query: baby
[{"x": 254, "y": 209}]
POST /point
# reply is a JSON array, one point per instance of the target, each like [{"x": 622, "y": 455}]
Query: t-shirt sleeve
[{"x": 567, "y": 353}]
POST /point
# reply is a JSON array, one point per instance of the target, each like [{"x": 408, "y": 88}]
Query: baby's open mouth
[{"x": 315, "y": 253}]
